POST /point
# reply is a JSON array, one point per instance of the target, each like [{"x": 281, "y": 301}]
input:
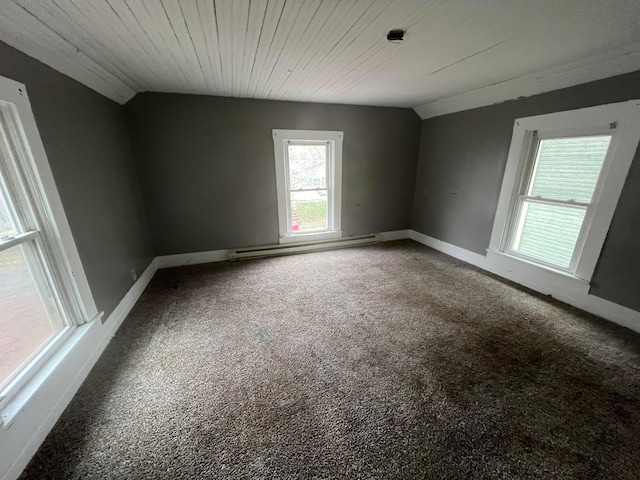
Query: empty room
[{"x": 319, "y": 239}]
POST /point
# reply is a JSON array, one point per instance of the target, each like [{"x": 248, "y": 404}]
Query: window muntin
[
  {"x": 552, "y": 213},
  {"x": 308, "y": 178}
]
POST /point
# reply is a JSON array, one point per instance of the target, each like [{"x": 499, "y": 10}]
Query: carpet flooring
[{"x": 390, "y": 361}]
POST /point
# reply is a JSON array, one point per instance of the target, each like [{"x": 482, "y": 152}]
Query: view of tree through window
[{"x": 308, "y": 187}]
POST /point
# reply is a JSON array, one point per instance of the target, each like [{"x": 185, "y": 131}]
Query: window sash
[
  {"x": 517, "y": 219},
  {"x": 30, "y": 246},
  {"x": 328, "y": 182},
  {"x": 527, "y": 176},
  {"x": 29, "y": 207}
]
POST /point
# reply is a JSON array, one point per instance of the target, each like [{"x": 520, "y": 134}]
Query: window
[
  {"x": 558, "y": 199},
  {"x": 41, "y": 300},
  {"x": 308, "y": 179},
  {"x": 564, "y": 175}
]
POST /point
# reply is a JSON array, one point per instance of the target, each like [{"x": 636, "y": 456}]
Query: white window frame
[
  {"x": 622, "y": 122},
  {"x": 30, "y": 183},
  {"x": 333, "y": 139}
]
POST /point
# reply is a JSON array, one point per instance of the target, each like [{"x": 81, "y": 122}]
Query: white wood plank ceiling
[{"x": 457, "y": 54}]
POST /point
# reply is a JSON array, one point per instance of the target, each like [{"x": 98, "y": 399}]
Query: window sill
[
  {"x": 541, "y": 278},
  {"x": 51, "y": 360},
  {"x": 311, "y": 237}
]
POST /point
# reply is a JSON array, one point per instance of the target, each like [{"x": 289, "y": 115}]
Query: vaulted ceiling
[{"x": 457, "y": 54}]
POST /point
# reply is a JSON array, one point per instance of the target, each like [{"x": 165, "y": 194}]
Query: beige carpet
[{"x": 382, "y": 362}]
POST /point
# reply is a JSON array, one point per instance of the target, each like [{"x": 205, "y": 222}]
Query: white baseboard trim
[
  {"x": 183, "y": 259},
  {"x": 42, "y": 404},
  {"x": 590, "y": 303},
  {"x": 394, "y": 235},
  {"x": 449, "y": 249}
]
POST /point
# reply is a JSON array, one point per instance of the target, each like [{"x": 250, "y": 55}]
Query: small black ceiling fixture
[{"x": 395, "y": 36}]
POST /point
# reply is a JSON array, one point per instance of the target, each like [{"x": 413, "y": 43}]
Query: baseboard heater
[{"x": 289, "y": 249}]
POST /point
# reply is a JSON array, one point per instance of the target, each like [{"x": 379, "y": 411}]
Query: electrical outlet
[{"x": 134, "y": 274}]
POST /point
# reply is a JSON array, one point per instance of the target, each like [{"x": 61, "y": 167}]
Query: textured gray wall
[
  {"x": 462, "y": 161},
  {"x": 88, "y": 148},
  {"x": 208, "y": 171}
]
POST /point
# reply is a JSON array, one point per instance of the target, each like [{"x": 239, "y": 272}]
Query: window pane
[
  {"x": 568, "y": 168},
  {"x": 309, "y": 211},
  {"x": 548, "y": 232},
  {"x": 25, "y": 324},
  {"x": 307, "y": 166},
  {"x": 6, "y": 223}
]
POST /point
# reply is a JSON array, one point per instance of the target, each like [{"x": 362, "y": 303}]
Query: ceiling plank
[
  {"x": 312, "y": 17},
  {"x": 160, "y": 62},
  {"x": 224, "y": 22},
  {"x": 60, "y": 21},
  {"x": 159, "y": 22},
  {"x": 447, "y": 24},
  {"x": 103, "y": 22},
  {"x": 351, "y": 45},
  {"x": 312, "y": 37},
  {"x": 402, "y": 15},
  {"x": 193, "y": 25},
  {"x": 273, "y": 13},
  {"x": 284, "y": 27},
  {"x": 206, "y": 12},
  {"x": 293, "y": 13},
  {"x": 156, "y": 38},
  {"x": 367, "y": 39},
  {"x": 240, "y": 21},
  {"x": 255, "y": 25},
  {"x": 340, "y": 22},
  {"x": 181, "y": 34}
]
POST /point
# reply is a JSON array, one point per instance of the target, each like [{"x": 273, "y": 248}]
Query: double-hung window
[
  {"x": 554, "y": 209},
  {"x": 564, "y": 175},
  {"x": 308, "y": 181},
  {"x": 43, "y": 290}
]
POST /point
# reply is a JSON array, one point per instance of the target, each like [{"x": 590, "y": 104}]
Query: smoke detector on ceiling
[{"x": 395, "y": 36}]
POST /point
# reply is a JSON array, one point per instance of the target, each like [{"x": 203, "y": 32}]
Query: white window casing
[
  {"x": 333, "y": 188},
  {"x": 620, "y": 121},
  {"x": 42, "y": 227}
]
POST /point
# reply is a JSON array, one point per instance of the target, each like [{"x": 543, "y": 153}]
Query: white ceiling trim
[
  {"x": 597, "y": 67},
  {"x": 56, "y": 51}
]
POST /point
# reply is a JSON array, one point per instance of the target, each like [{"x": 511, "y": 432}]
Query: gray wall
[
  {"x": 208, "y": 171},
  {"x": 462, "y": 161},
  {"x": 88, "y": 148}
]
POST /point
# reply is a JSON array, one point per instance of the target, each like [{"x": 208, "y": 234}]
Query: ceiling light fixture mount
[{"x": 395, "y": 36}]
